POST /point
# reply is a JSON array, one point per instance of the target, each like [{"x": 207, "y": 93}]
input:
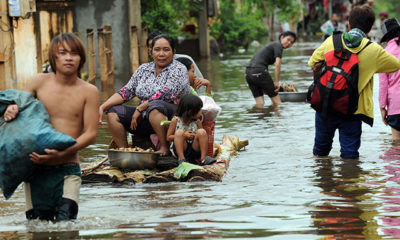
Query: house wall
[
  {"x": 49, "y": 23},
  {"x": 90, "y": 14},
  {"x": 26, "y": 63},
  {"x": 28, "y": 40}
]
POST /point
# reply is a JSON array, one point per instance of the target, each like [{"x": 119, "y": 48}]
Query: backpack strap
[
  {"x": 337, "y": 42},
  {"x": 368, "y": 43},
  {"x": 338, "y": 45}
]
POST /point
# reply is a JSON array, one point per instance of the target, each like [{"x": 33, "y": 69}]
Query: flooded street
[{"x": 274, "y": 189}]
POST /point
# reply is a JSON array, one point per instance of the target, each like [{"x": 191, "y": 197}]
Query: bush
[{"x": 237, "y": 28}]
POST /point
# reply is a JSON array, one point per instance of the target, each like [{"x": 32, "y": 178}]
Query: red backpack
[{"x": 335, "y": 87}]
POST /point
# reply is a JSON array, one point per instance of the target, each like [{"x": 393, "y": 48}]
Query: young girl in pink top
[{"x": 389, "y": 83}]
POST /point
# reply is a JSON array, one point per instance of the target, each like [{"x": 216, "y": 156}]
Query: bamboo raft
[{"x": 99, "y": 171}]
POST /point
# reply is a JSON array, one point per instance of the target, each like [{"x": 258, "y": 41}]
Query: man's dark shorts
[
  {"x": 260, "y": 82},
  {"x": 394, "y": 121},
  {"x": 144, "y": 127}
]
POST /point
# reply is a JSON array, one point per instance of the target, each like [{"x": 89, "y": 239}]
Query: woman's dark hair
[
  {"x": 185, "y": 61},
  {"x": 74, "y": 42},
  {"x": 288, "y": 33},
  {"x": 394, "y": 34},
  {"x": 151, "y": 36},
  {"x": 166, "y": 37},
  {"x": 362, "y": 18},
  {"x": 188, "y": 106}
]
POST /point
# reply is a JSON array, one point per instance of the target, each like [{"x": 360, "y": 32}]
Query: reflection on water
[
  {"x": 339, "y": 214},
  {"x": 390, "y": 191},
  {"x": 274, "y": 189},
  {"x": 265, "y": 112}
]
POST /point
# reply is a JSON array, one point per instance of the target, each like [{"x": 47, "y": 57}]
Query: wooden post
[
  {"x": 204, "y": 36},
  {"x": 7, "y": 66},
  {"x": 110, "y": 59},
  {"x": 135, "y": 20},
  {"x": 103, "y": 64},
  {"x": 134, "y": 53},
  {"x": 91, "y": 57},
  {"x": 143, "y": 51},
  {"x": 135, "y": 13}
]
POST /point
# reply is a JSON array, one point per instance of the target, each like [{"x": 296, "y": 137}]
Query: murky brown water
[{"x": 273, "y": 190}]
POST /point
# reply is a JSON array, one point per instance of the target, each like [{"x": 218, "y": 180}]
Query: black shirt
[{"x": 266, "y": 55}]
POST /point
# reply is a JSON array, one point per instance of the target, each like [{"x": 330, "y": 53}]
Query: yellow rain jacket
[{"x": 373, "y": 59}]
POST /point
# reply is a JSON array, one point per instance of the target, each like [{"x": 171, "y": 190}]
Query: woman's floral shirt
[{"x": 170, "y": 84}]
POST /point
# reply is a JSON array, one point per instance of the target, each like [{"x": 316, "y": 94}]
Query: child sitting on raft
[
  {"x": 194, "y": 81},
  {"x": 188, "y": 137}
]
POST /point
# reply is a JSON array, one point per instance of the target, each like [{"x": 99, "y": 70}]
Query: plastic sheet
[{"x": 210, "y": 109}]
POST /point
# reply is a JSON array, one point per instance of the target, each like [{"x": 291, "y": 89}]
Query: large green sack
[{"x": 30, "y": 132}]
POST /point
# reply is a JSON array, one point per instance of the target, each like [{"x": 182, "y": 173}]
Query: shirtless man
[{"x": 53, "y": 191}]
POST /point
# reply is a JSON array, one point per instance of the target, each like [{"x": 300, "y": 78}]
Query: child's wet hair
[
  {"x": 189, "y": 106},
  {"x": 151, "y": 36},
  {"x": 185, "y": 61}
]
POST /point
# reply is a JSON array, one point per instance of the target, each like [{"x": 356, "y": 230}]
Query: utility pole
[{"x": 204, "y": 34}]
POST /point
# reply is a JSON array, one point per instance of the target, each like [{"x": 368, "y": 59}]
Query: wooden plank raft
[{"x": 186, "y": 172}]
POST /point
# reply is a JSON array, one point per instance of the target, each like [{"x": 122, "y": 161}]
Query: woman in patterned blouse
[{"x": 159, "y": 86}]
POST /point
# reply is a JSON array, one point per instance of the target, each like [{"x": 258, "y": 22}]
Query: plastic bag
[
  {"x": 210, "y": 109},
  {"x": 31, "y": 131}
]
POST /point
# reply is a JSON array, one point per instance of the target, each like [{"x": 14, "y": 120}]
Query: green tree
[
  {"x": 391, "y": 6},
  {"x": 237, "y": 25},
  {"x": 160, "y": 15},
  {"x": 168, "y": 16},
  {"x": 240, "y": 22},
  {"x": 286, "y": 10}
]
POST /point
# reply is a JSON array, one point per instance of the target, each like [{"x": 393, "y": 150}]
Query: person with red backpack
[{"x": 342, "y": 91}]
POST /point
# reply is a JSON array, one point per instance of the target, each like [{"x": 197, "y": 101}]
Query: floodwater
[{"x": 274, "y": 189}]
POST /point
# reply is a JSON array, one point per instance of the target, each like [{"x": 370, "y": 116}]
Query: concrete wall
[{"x": 97, "y": 13}]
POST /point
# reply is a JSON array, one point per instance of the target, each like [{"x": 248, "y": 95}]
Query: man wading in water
[
  {"x": 257, "y": 76},
  {"x": 53, "y": 192}
]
